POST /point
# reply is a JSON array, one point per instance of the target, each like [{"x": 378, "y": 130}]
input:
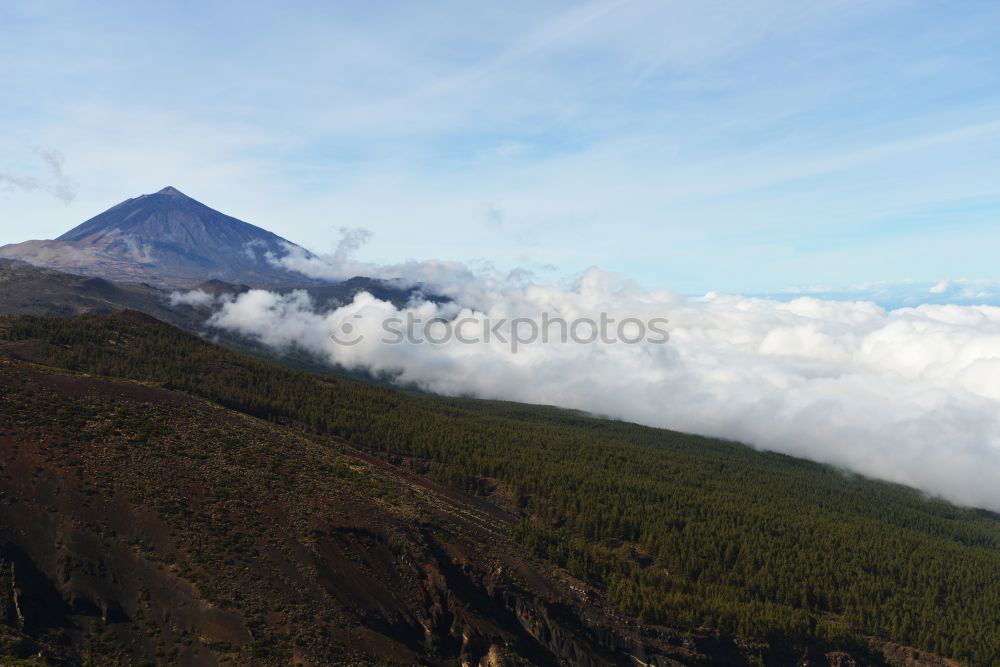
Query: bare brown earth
[{"x": 142, "y": 526}]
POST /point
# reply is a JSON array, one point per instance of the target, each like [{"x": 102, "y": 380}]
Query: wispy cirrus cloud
[
  {"x": 788, "y": 142},
  {"x": 55, "y": 181}
]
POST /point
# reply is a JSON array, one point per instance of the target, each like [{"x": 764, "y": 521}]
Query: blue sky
[{"x": 733, "y": 146}]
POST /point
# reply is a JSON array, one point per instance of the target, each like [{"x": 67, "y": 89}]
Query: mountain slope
[
  {"x": 31, "y": 290},
  {"x": 167, "y": 239},
  {"x": 26, "y": 289},
  {"x": 187, "y": 534},
  {"x": 141, "y": 525},
  {"x": 675, "y": 531}
]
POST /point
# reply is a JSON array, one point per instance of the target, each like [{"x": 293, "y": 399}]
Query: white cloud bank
[{"x": 910, "y": 395}]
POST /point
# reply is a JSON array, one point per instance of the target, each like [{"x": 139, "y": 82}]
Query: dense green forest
[{"x": 681, "y": 530}]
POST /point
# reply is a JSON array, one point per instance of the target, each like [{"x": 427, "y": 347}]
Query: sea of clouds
[{"x": 910, "y": 395}]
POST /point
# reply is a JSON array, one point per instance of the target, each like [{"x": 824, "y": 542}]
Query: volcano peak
[
  {"x": 171, "y": 191},
  {"x": 165, "y": 238}
]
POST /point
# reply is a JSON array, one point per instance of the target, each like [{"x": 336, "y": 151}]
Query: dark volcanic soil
[{"x": 139, "y": 524}]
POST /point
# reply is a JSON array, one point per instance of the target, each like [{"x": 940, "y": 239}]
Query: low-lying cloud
[
  {"x": 903, "y": 293},
  {"x": 910, "y": 395},
  {"x": 195, "y": 298}
]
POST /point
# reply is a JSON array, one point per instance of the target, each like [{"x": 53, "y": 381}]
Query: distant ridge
[{"x": 167, "y": 239}]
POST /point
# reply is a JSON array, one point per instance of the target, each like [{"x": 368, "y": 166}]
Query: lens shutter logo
[{"x": 345, "y": 334}]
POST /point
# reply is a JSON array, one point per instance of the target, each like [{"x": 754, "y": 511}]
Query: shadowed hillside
[
  {"x": 142, "y": 523},
  {"x": 676, "y": 531}
]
